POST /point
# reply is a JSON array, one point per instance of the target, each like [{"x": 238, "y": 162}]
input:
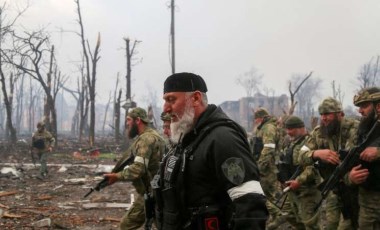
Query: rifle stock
[{"x": 118, "y": 167}]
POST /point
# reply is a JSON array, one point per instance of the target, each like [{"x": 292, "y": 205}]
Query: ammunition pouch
[
  {"x": 169, "y": 215},
  {"x": 39, "y": 144}
]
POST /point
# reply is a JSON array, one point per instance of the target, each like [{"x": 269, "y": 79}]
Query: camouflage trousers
[
  {"x": 334, "y": 218},
  {"x": 291, "y": 214},
  {"x": 369, "y": 218},
  {"x": 42, "y": 156},
  {"x": 301, "y": 209},
  {"x": 271, "y": 188},
  {"x": 369, "y": 212},
  {"x": 135, "y": 216}
]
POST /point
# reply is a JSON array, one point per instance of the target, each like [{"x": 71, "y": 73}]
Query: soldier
[
  {"x": 148, "y": 148},
  {"x": 166, "y": 119},
  {"x": 209, "y": 180},
  {"x": 304, "y": 195},
  {"x": 334, "y": 133},
  {"x": 367, "y": 173},
  {"x": 42, "y": 143},
  {"x": 267, "y": 134}
]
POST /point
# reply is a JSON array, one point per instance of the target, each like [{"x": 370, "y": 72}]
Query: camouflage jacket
[
  {"x": 268, "y": 132},
  {"x": 309, "y": 177},
  {"x": 344, "y": 140},
  {"x": 41, "y": 141},
  {"x": 148, "y": 149}
]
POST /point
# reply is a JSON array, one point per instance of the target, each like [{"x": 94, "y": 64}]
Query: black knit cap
[
  {"x": 184, "y": 82},
  {"x": 294, "y": 122}
]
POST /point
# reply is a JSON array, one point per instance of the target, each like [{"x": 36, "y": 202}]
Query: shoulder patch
[{"x": 233, "y": 169}]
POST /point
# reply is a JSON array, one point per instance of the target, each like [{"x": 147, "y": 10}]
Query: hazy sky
[{"x": 218, "y": 40}]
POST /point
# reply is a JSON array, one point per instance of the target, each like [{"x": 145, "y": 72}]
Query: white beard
[{"x": 183, "y": 125}]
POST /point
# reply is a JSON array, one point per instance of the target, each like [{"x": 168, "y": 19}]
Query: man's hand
[
  {"x": 369, "y": 154},
  {"x": 111, "y": 178},
  {"x": 358, "y": 175},
  {"x": 327, "y": 156},
  {"x": 293, "y": 184},
  {"x": 50, "y": 149}
]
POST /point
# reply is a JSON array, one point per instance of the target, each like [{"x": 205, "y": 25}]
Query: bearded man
[
  {"x": 147, "y": 149},
  {"x": 209, "y": 180},
  {"x": 366, "y": 174},
  {"x": 334, "y": 133}
]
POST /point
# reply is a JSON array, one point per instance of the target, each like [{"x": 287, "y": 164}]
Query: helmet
[
  {"x": 369, "y": 94},
  {"x": 261, "y": 112},
  {"x": 330, "y": 105}
]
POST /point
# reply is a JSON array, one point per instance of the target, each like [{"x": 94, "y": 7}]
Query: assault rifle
[
  {"x": 351, "y": 159},
  {"x": 118, "y": 167}
]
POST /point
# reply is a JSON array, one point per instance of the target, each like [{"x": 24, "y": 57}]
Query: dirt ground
[
  {"x": 27, "y": 202},
  {"x": 58, "y": 202}
]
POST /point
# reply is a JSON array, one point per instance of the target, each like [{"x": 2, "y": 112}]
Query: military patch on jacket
[{"x": 233, "y": 169}]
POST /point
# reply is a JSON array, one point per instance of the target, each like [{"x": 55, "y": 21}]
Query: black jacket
[{"x": 215, "y": 165}]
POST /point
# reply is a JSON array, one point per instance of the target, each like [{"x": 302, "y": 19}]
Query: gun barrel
[{"x": 87, "y": 194}]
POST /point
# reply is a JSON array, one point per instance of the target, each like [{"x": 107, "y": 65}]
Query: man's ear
[
  {"x": 377, "y": 107},
  {"x": 197, "y": 98}
]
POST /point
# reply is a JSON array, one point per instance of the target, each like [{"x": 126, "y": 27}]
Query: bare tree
[
  {"x": 6, "y": 34},
  {"x": 116, "y": 111},
  {"x": 35, "y": 58},
  {"x": 293, "y": 93},
  {"x": 130, "y": 52},
  {"x": 306, "y": 95},
  {"x": 250, "y": 81},
  {"x": 338, "y": 94},
  {"x": 369, "y": 73},
  {"x": 90, "y": 73}
]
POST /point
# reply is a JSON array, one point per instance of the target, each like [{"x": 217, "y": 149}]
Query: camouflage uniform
[
  {"x": 42, "y": 140},
  {"x": 267, "y": 133},
  {"x": 300, "y": 204},
  {"x": 345, "y": 139},
  {"x": 147, "y": 149},
  {"x": 369, "y": 191}
]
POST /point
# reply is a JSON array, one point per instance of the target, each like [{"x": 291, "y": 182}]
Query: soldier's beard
[
  {"x": 331, "y": 129},
  {"x": 366, "y": 123},
  {"x": 182, "y": 126},
  {"x": 133, "y": 132}
]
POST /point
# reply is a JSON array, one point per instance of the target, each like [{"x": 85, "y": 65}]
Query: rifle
[
  {"x": 118, "y": 167},
  {"x": 348, "y": 162},
  {"x": 286, "y": 190}
]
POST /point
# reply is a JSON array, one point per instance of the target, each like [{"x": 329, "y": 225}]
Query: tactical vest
[
  {"x": 172, "y": 212},
  {"x": 286, "y": 166}
]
